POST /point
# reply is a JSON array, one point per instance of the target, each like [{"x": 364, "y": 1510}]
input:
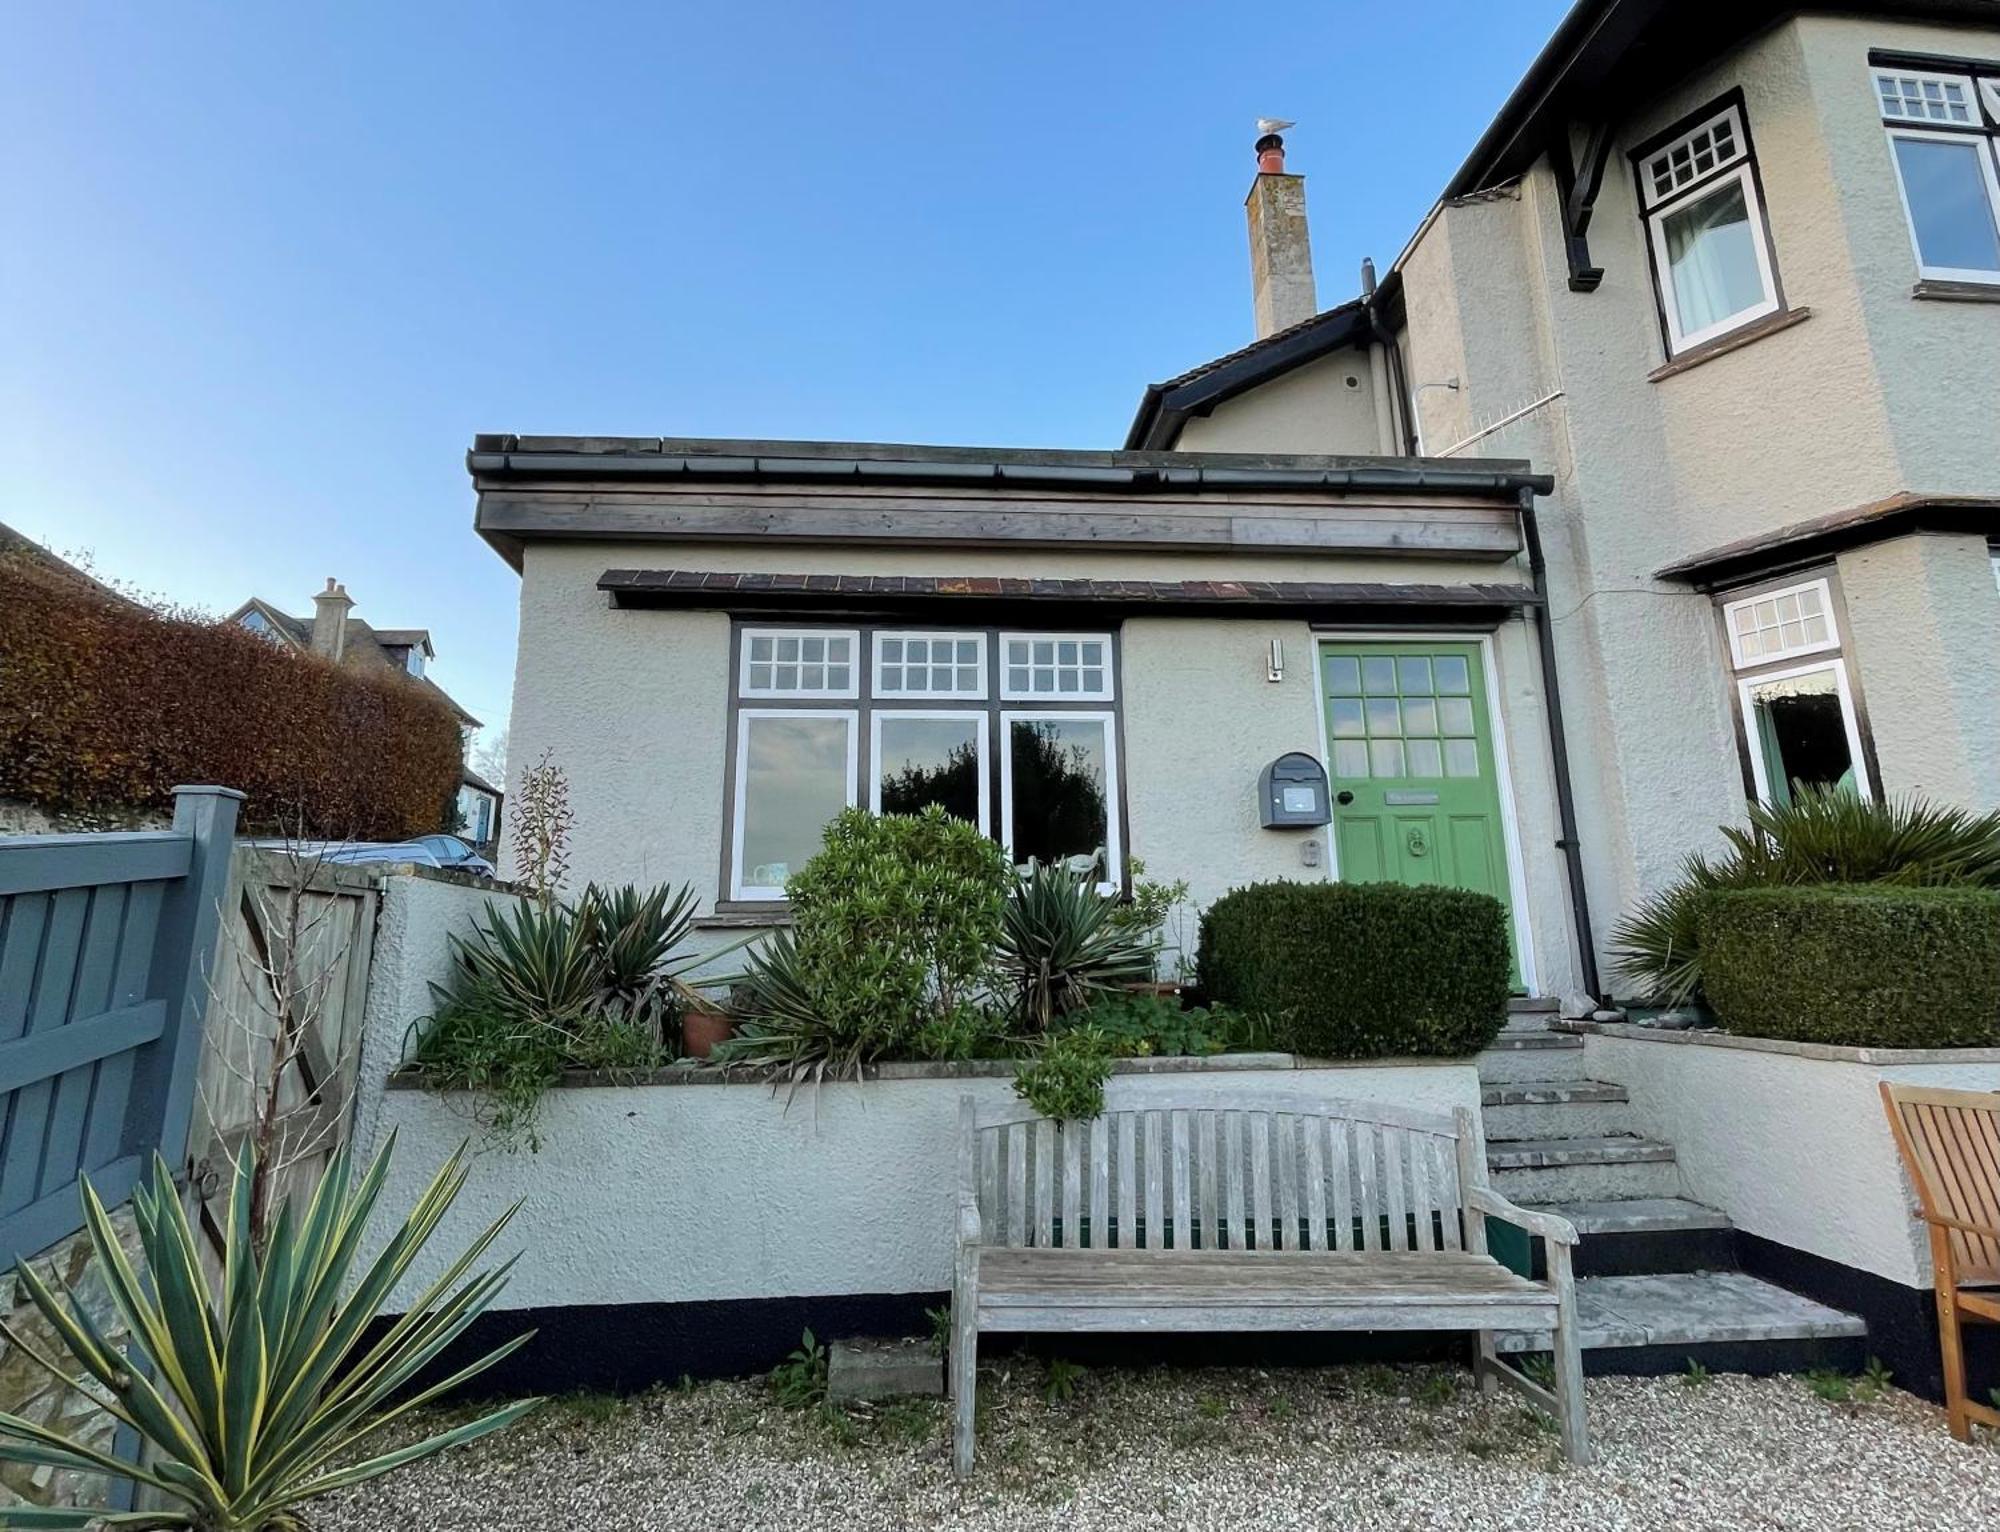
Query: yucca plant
[
  {"x": 1061, "y": 944},
  {"x": 1823, "y": 835},
  {"x": 269, "y": 1397},
  {"x": 539, "y": 960}
]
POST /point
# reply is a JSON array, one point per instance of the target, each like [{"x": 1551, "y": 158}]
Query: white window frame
[
  {"x": 1877, "y": 73},
  {"x": 880, "y": 715},
  {"x": 1651, "y": 198},
  {"x": 1108, "y": 693},
  {"x": 1849, "y": 720},
  {"x": 953, "y": 635},
  {"x": 836, "y": 694},
  {"x": 1984, "y": 145},
  {"x": 1740, "y": 661},
  {"x": 1742, "y": 171},
  {"x": 1114, "y": 849},
  {"x": 740, "y": 796}
]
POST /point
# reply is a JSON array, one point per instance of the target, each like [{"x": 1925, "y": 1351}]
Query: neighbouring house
[{"x": 332, "y": 630}]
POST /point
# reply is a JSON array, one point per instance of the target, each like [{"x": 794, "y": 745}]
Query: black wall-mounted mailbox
[{"x": 1291, "y": 793}]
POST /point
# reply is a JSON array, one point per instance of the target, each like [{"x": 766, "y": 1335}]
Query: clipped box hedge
[
  {"x": 1361, "y": 970},
  {"x": 1855, "y": 965}
]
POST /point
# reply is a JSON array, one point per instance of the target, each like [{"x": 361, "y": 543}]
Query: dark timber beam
[{"x": 1578, "y": 188}]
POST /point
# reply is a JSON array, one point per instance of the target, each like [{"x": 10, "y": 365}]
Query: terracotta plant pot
[{"x": 701, "y": 1030}]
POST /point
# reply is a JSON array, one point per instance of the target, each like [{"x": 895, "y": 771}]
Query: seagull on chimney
[{"x": 1274, "y": 124}]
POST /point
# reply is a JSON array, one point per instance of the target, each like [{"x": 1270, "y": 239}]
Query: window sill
[
  {"x": 730, "y": 916},
  {"x": 1957, "y": 292},
  {"x": 1735, "y": 340}
]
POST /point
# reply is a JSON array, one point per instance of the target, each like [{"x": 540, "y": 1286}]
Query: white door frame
[{"x": 1503, "y": 774}]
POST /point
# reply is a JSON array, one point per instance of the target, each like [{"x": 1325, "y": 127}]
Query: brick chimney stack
[
  {"x": 1281, "y": 268},
  {"x": 330, "y": 609}
]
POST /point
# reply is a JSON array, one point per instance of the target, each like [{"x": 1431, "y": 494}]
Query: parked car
[{"x": 425, "y": 851}]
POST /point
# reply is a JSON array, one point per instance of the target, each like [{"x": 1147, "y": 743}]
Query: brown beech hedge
[{"x": 106, "y": 704}]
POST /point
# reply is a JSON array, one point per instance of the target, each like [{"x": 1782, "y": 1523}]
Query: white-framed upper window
[
  {"x": 800, "y": 662},
  {"x": 1711, "y": 251},
  {"x": 1802, "y": 728},
  {"x": 1059, "y": 790},
  {"x": 1918, "y": 96},
  {"x": 929, "y": 665},
  {"x": 1064, "y": 667},
  {"x": 795, "y": 770},
  {"x": 923, "y": 756},
  {"x": 1781, "y": 624},
  {"x": 1947, "y": 155}
]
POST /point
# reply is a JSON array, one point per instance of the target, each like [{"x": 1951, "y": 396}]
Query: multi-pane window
[
  {"x": 1800, "y": 723},
  {"x": 898, "y": 719},
  {"x": 930, "y": 664},
  {"x": 800, "y": 662},
  {"x": 1067, "y": 665},
  {"x": 1401, "y": 716},
  {"x": 1780, "y": 625},
  {"x": 1711, "y": 253},
  {"x": 1944, "y": 135}
]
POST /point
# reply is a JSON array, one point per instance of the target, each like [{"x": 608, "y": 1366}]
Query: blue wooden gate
[{"x": 106, "y": 942}]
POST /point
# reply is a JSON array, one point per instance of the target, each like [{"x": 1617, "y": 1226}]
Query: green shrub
[
  {"x": 1858, "y": 965},
  {"x": 1823, "y": 836},
  {"x": 1142, "y": 1025},
  {"x": 1066, "y": 1079},
  {"x": 1361, "y": 970},
  {"x": 894, "y": 926}
]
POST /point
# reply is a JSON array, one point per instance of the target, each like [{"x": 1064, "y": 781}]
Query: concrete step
[
  {"x": 1606, "y": 1168},
  {"x": 1555, "y": 1109},
  {"x": 1522, "y": 1056},
  {"x": 1723, "y": 1319},
  {"x": 1643, "y": 1236}
]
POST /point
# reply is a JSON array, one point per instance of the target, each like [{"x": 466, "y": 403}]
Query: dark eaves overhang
[
  {"x": 1608, "y": 56},
  {"x": 1806, "y": 543},
  {"x": 1167, "y": 407},
  {"x": 911, "y": 595},
  {"x": 621, "y": 465}
]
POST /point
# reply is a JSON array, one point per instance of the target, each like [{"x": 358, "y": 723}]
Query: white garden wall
[
  {"x": 1789, "y": 1139},
  {"x": 669, "y": 1193}
]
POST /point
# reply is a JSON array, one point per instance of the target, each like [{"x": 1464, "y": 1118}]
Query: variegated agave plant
[{"x": 256, "y": 1405}]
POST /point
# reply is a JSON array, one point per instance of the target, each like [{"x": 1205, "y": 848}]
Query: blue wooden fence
[{"x": 106, "y": 942}]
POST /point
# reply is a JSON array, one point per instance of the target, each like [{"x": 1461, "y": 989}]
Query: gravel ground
[{"x": 1371, "y": 1447}]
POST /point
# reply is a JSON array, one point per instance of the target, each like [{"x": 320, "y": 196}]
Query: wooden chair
[
  {"x": 1246, "y": 1212},
  {"x": 1950, "y": 1141}
]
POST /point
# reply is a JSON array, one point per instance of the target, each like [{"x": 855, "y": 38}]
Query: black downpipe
[{"x": 1570, "y": 846}]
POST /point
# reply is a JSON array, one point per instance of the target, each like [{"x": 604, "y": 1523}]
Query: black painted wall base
[{"x": 1902, "y": 1321}]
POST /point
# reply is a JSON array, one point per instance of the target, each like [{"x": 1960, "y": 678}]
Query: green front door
[{"x": 1416, "y": 796}]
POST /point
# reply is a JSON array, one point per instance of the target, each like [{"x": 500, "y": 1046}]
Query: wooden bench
[
  {"x": 1950, "y": 1141},
  {"x": 1250, "y": 1212}
]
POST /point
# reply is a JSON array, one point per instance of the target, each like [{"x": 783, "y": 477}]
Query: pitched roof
[
  {"x": 362, "y": 642},
  {"x": 1166, "y": 407}
]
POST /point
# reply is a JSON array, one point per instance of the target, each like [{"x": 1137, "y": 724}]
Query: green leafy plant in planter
[
  {"x": 1821, "y": 836},
  {"x": 1143, "y": 1025},
  {"x": 1066, "y": 1079},
  {"x": 1063, "y": 944},
  {"x": 259, "y": 1401},
  {"x": 540, "y": 987},
  {"x": 891, "y": 948}
]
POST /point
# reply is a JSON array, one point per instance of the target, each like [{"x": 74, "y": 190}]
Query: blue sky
[{"x": 266, "y": 269}]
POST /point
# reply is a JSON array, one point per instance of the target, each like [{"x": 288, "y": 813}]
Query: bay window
[
  {"x": 1794, "y": 695},
  {"x": 1015, "y": 732}
]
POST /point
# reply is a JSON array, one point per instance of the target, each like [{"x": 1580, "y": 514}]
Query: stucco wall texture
[
  {"x": 1795, "y": 1149},
  {"x": 633, "y": 705},
  {"x": 674, "y": 1193},
  {"x": 1325, "y": 406},
  {"x": 1876, "y": 393}
]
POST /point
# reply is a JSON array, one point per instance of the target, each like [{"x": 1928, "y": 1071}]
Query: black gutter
[
  {"x": 1224, "y": 471},
  {"x": 1570, "y": 844},
  {"x": 1400, "y": 402}
]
